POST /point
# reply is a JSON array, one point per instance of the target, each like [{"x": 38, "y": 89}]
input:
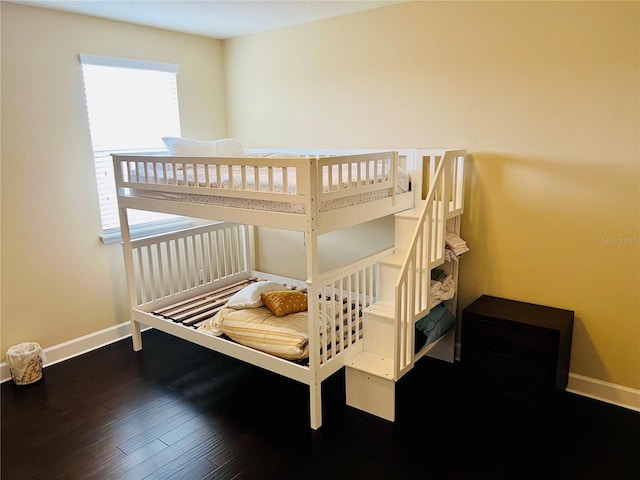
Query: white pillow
[
  {"x": 188, "y": 147},
  {"x": 249, "y": 296}
]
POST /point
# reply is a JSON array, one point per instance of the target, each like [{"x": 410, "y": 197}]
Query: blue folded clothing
[{"x": 436, "y": 323}]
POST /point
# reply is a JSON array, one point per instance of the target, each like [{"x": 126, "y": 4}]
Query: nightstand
[{"x": 516, "y": 348}]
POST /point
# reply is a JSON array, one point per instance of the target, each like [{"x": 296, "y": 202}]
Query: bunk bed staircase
[{"x": 404, "y": 282}]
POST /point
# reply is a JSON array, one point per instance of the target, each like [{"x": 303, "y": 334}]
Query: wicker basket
[
  {"x": 32, "y": 374},
  {"x": 25, "y": 363}
]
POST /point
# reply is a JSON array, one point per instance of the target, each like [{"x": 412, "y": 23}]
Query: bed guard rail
[
  {"x": 281, "y": 179},
  {"x": 272, "y": 178},
  {"x": 340, "y": 296},
  {"x": 167, "y": 267}
]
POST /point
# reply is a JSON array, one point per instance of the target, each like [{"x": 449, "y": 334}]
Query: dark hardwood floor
[{"x": 176, "y": 410}]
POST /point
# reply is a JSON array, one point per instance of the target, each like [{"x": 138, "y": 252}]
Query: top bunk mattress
[{"x": 276, "y": 179}]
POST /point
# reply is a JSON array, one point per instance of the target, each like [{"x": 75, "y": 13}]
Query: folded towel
[
  {"x": 455, "y": 243},
  {"x": 454, "y": 240}
]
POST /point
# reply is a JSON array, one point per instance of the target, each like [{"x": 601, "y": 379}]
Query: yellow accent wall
[
  {"x": 59, "y": 281},
  {"x": 545, "y": 98}
]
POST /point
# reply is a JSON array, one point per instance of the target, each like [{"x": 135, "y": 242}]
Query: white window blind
[{"x": 131, "y": 105}]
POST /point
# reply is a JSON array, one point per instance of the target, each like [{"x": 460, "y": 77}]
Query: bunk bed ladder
[{"x": 405, "y": 279}]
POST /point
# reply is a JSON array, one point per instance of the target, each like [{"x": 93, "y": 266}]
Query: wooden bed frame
[{"x": 166, "y": 269}]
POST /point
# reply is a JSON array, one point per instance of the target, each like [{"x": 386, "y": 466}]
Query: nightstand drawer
[
  {"x": 506, "y": 374},
  {"x": 514, "y": 340}
]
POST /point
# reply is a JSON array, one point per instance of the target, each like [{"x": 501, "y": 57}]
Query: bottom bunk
[
  {"x": 267, "y": 315},
  {"x": 196, "y": 284}
]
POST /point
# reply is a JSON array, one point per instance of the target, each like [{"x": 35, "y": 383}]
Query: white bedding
[{"x": 276, "y": 179}]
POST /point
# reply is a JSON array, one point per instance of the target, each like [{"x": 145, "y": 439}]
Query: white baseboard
[
  {"x": 607, "y": 392},
  {"x": 77, "y": 346},
  {"x": 579, "y": 384}
]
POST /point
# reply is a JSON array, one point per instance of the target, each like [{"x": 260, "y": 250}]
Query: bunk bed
[{"x": 200, "y": 283}]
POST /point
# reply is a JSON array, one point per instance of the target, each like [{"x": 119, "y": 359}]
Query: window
[{"x": 131, "y": 105}]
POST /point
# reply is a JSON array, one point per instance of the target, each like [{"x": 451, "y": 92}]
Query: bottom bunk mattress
[
  {"x": 269, "y": 317},
  {"x": 283, "y": 336}
]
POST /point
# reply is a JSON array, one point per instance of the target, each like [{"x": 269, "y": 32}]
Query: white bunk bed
[{"x": 180, "y": 282}]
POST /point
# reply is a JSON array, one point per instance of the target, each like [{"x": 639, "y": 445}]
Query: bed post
[
  {"x": 315, "y": 404},
  {"x": 310, "y": 234},
  {"x": 315, "y": 390},
  {"x": 127, "y": 251},
  {"x": 311, "y": 243}
]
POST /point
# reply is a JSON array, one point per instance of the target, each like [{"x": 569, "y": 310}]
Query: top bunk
[{"x": 310, "y": 191}]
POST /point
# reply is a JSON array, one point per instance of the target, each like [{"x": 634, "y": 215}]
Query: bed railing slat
[{"x": 173, "y": 264}]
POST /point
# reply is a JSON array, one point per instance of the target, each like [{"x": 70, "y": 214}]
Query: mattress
[
  {"x": 264, "y": 316},
  {"x": 276, "y": 180},
  {"x": 269, "y": 317}
]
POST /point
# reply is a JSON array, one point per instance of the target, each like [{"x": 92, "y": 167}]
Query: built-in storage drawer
[{"x": 515, "y": 346}]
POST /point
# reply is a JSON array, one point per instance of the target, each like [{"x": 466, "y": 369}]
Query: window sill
[{"x": 146, "y": 230}]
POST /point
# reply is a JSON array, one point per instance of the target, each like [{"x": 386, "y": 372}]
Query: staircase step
[
  {"x": 389, "y": 271},
  {"x": 379, "y": 327},
  {"x": 373, "y": 364},
  {"x": 412, "y": 212},
  {"x": 416, "y": 211},
  {"x": 405, "y": 225},
  {"x": 395, "y": 259},
  {"x": 384, "y": 310}
]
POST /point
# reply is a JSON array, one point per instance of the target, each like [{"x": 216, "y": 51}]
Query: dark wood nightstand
[{"x": 516, "y": 348}]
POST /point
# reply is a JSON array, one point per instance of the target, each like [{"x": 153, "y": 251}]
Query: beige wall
[
  {"x": 545, "y": 97},
  {"x": 59, "y": 282}
]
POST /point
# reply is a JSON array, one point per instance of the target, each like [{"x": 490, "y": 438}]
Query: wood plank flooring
[{"x": 177, "y": 410}]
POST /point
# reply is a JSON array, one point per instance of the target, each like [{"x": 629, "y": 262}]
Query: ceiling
[{"x": 220, "y": 19}]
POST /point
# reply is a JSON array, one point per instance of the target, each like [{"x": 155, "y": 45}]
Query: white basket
[{"x": 25, "y": 363}]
